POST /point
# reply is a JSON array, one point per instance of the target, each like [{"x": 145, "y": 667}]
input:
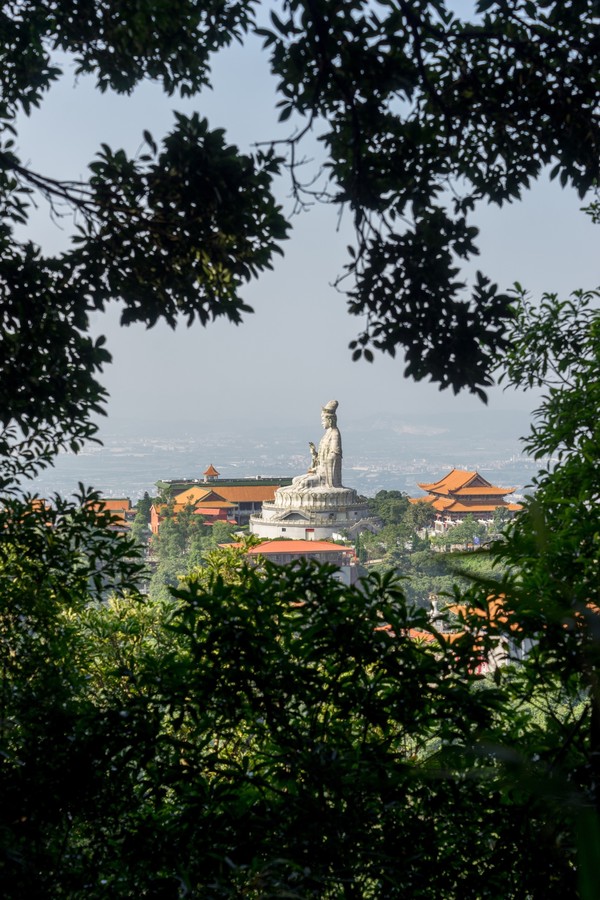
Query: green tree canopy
[
  {"x": 390, "y": 506},
  {"x": 143, "y": 506},
  {"x": 464, "y": 532},
  {"x": 410, "y": 99}
]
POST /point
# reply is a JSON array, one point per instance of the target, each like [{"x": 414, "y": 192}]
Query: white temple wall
[{"x": 295, "y": 532}]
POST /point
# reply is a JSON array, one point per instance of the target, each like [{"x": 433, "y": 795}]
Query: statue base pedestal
[
  {"x": 316, "y": 513},
  {"x": 316, "y": 498}
]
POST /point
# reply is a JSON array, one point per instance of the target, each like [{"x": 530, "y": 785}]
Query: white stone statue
[
  {"x": 326, "y": 463},
  {"x": 315, "y": 505}
]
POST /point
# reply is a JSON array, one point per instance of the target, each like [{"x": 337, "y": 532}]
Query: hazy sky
[{"x": 292, "y": 354}]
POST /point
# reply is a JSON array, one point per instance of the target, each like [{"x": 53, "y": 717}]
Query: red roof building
[
  {"x": 120, "y": 509},
  {"x": 282, "y": 552},
  {"x": 460, "y": 494},
  {"x": 244, "y": 499},
  {"x": 210, "y": 507}
]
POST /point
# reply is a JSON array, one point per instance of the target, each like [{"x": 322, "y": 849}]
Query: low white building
[{"x": 283, "y": 552}]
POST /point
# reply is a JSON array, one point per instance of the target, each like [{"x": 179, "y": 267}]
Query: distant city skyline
[{"x": 380, "y": 453}]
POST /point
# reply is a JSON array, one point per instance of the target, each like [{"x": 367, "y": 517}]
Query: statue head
[{"x": 328, "y": 413}]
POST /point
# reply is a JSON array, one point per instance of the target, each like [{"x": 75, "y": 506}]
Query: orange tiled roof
[
  {"x": 462, "y": 483},
  {"x": 115, "y": 507},
  {"x": 211, "y": 471},
  {"x": 284, "y": 546},
  {"x": 192, "y": 495},
  {"x": 161, "y": 508},
  {"x": 429, "y": 638},
  {"x": 454, "y": 480},
  {"x": 121, "y": 504},
  {"x": 443, "y": 504},
  {"x": 201, "y": 508},
  {"x": 431, "y": 498},
  {"x": 248, "y": 493},
  {"x": 234, "y": 493},
  {"x": 426, "y": 637},
  {"x": 485, "y": 491},
  {"x": 495, "y": 612},
  {"x": 203, "y": 505}
]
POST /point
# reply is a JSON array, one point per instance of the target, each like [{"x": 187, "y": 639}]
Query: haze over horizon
[{"x": 381, "y": 452}]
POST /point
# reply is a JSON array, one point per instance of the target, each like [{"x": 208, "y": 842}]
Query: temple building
[
  {"x": 460, "y": 494},
  {"x": 216, "y": 498},
  {"x": 211, "y": 506},
  {"x": 211, "y": 474},
  {"x": 233, "y": 501},
  {"x": 120, "y": 509},
  {"x": 315, "y": 506},
  {"x": 283, "y": 552}
]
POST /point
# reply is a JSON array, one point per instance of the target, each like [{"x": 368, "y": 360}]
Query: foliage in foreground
[{"x": 267, "y": 737}]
